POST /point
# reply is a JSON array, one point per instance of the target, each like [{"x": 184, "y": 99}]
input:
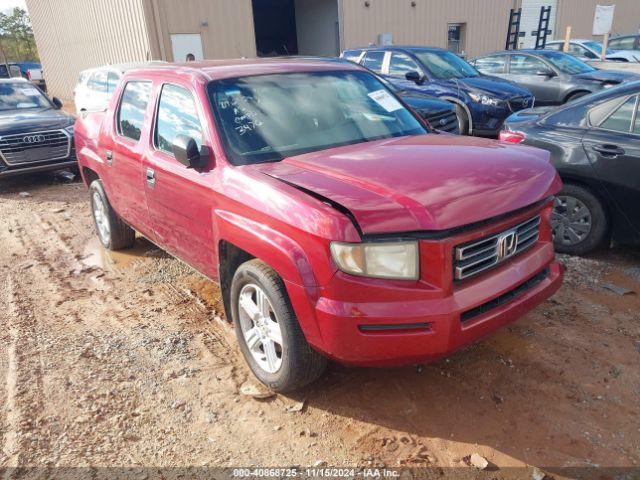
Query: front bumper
[
  {"x": 371, "y": 322},
  {"x": 488, "y": 121},
  {"x": 46, "y": 167}
]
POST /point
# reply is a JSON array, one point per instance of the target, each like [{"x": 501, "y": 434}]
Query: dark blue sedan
[{"x": 482, "y": 102}]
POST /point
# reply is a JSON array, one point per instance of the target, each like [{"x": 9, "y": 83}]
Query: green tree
[{"x": 16, "y": 36}]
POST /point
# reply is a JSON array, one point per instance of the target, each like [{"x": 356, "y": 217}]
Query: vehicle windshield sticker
[
  {"x": 386, "y": 101},
  {"x": 30, "y": 92}
]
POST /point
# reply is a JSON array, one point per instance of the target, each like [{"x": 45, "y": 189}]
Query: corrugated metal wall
[
  {"x": 73, "y": 35},
  {"x": 426, "y": 23},
  {"x": 226, "y": 26},
  {"x": 579, "y": 14}
]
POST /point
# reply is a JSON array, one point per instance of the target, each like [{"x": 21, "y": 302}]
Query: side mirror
[
  {"x": 56, "y": 102},
  {"x": 186, "y": 151},
  {"x": 546, "y": 73},
  {"x": 414, "y": 76}
]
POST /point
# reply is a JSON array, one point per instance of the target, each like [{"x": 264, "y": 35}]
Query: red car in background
[{"x": 337, "y": 225}]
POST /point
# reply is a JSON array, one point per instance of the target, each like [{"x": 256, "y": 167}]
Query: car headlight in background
[
  {"x": 485, "y": 99},
  {"x": 392, "y": 260}
]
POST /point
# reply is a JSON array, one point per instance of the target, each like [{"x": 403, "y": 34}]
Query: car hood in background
[
  {"x": 25, "y": 121},
  {"x": 423, "y": 102},
  {"x": 608, "y": 76},
  {"x": 422, "y": 183}
]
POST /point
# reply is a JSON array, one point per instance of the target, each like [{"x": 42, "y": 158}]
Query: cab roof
[{"x": 241, "y": 67}]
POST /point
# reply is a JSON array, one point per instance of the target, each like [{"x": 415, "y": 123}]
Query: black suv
[{"x": 35, "y": 135}]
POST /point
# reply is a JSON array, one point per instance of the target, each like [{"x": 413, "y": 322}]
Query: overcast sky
[{"x": 8, "y": 5}]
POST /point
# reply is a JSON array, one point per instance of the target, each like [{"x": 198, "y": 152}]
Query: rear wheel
[
  {"x": 268, "y": 331},
  {"x": 113, "y": 233},
  {"x": 579, "y": 221}
]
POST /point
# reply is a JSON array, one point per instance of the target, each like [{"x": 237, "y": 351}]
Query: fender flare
[
  {"x": 285, "y": 256},
  {"x": 280, "y": 252}
]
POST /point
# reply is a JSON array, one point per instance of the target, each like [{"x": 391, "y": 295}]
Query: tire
[
  {"x": 295, "y": 363},
  {"x": 575, "y": 96},
  {"x": 463, "y": 119},
  {"x": 579, "y": 221},
  {"x": 113, "y": 233}
]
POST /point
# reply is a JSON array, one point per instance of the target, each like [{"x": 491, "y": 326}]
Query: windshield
[
  {"x": 269, "y": 117},
  {"x": 445, "y": 64},
  {"x": 568, "y": 64},
  {"x": 21, "y": 96},
  {"x": 596, "y": 47}
]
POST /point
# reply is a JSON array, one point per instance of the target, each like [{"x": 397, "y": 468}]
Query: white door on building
[
  {"x": 530, "y": 19},
  {"x": 183, "y": 44}
]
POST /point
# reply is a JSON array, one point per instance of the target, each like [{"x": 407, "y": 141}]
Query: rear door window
[
  {"x": 402, "y": 63},
  {"x": 492, "y": 64},
  {"x": 622, "y": 43},
  {"x": 177, "y": 115},
  {"x": 133, "y": 106},
  {"x": 620, "y": 120},
  {"x": 373, "y": 61},
  {"x": 526, "y": 65}
]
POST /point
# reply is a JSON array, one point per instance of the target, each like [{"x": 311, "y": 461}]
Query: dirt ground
[{"x": 125, "y": 359}]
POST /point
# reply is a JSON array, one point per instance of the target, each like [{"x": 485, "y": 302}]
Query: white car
[
  {"x": 96, "y": 85},
  {"x": 589, "y": 50}
]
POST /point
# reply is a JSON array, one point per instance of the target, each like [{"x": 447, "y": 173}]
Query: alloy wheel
[
  {"x": 260, "y": 327},
  {"x": 101, "y": 218}
]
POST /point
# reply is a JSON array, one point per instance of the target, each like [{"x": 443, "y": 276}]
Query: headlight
[
  {"x": 485, "y": 99},
  {"x": 69, "y": 130},
  {"x": 397, "y": 260}
]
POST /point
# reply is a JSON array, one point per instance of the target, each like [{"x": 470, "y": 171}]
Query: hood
[
  {"x": 421, "y": 183},
  {"x": 608, "y": 76},
  {"x": 25, "y": 121},
  {"x": 495, "y": 86},
  {"x": 426, "y": 103}
]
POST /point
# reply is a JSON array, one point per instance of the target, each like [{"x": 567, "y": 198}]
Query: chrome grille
[
  {"x": 447, "y": 121},
  {"x": 35, "y": 147},
  {"x": 472, "y": 258}
]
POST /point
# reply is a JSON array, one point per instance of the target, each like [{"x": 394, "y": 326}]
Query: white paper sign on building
[{"x": 603, "y": 19}]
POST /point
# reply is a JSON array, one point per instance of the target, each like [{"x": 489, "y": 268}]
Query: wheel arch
[
  {"x": 595, "y": 190},
  {"x": 574, "y": 92},
  {"x": 459, "y": 102}
]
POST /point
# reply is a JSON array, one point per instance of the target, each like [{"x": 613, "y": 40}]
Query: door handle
[
  {"x": 609, "y": 150},
  {"x": 151, "y": 177},
  {"x": 109, "y": 157}
]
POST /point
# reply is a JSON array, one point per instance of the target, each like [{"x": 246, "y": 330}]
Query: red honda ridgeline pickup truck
[{"x": 336, "y": 223}]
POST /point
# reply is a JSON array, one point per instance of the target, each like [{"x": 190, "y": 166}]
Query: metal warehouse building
[{"x": 73, "y": 35}]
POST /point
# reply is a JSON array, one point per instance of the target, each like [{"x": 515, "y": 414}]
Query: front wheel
[
  {"x": 268, "y": 331},
  {"x": 463, "y": 120},
  {"x": 579, "y": 221}
]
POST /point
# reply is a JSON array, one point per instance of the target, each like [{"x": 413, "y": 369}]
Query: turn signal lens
[{"x": 393, "y": 260}]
